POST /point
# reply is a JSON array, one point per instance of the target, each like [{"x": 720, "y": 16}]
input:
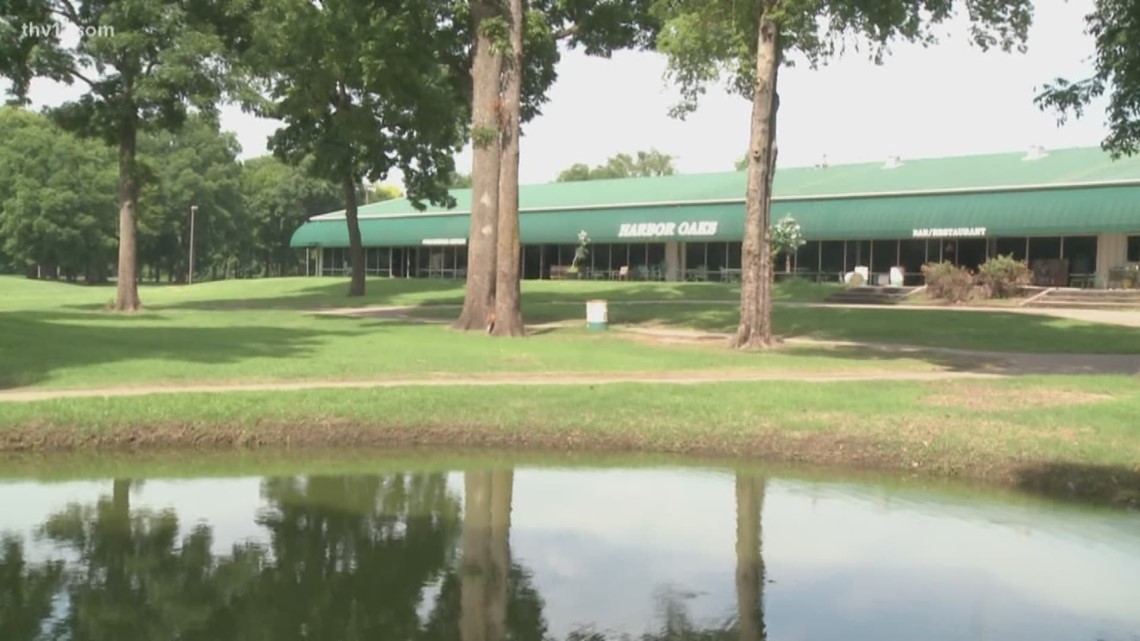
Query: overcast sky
[{"x": 950, "y": 99}]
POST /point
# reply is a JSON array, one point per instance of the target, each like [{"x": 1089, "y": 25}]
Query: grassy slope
[{"x": 1010, "y": 431}]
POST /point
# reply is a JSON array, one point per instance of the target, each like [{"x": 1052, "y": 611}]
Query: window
[
  {"x": 1134, "y": 249},
  {"x": 831, "y": 256},
  {"x": 695, "y": 255},
  {"x": 1080, "y": 251},
  {"x": 1044, "y": 248},
  {"x": 1014, "y": 247},
  {"x": 807, "y": 258},
  {"x": 734, "y": 255},
  {"x": 913, "y": 253},
  {"x": 884, "y": 255}
]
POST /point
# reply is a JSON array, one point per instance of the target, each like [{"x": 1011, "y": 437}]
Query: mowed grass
[
  {"x": 948, "y": 329},
  {"x": 301, "y": 293},
  {"x": 57, "y": 335}
]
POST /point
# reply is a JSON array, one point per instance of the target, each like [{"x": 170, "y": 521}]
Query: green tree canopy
[
  {"x": 277, "y": 199},
  {"x": 746, "y": 44},
  {"x": 142, "y": 64},
  {"x": 380, "y": 192},
  {"x": 57, "y": 203},
  {"x": 460, "y": 181},
  {"x": 1115, "y": 24},
  {"x": 646, "y": 163},
  {"x": 363, "y": 90},
  {"x": 196, "y": 166}
]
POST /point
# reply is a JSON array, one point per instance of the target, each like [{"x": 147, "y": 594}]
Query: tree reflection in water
[
  {"x": 747, "y": 624},
  {"x": 26, "y": 592},
  {"x": 362, "y": 557}
]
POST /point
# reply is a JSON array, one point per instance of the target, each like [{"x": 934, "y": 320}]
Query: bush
[
  {"x": 1004, "y": 277},
  {"x": 947, "y": 281}
]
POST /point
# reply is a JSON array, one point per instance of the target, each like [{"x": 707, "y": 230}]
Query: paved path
[{"x": 696, "y": 378}]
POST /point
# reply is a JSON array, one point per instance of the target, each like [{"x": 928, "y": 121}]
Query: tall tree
[
  {"x": 57, "y": 204},
  {"x": 277, "y": 198},
  {"x": 706, "y": 40},
  {"x": 599, "y": 27},
  {"x": 508, "y": 319},
  {"x": 144, "y": 63},
  {"x": 486, "y": 68},
  {"x": 647, "y": 163},
  {"x": 363, "y": 89},
  {"x": 195, "y": 166},
  {"x": 1115, "y": 24}
]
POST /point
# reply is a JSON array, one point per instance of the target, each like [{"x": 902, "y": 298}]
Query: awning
[{"x": 1048, "y": 212}]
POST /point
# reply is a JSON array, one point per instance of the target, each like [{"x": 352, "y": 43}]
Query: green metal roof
[{"x": 1069, "y": 191}]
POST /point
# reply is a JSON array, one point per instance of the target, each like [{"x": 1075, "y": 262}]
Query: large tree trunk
[
  {"x": 755, "y": 329},
  {"x": 127, "y": 290},
  {"x": 479, "y": 298},
  {"x": 498, "y": 588},
  {"x": 508, "y": 307},
  {"x": 749, "y": 558},
  {"x": 474, "y": 567},
  {"x": 355, "y": 244}
]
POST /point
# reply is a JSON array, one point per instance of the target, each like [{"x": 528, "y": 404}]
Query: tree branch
[
  {"x": 76, "y": 74},
  {"x": 567, "y": 32},
  {"x": 72, "y": 13}
]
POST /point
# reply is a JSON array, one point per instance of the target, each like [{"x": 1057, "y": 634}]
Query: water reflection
[{"x": 492, "y": 555}]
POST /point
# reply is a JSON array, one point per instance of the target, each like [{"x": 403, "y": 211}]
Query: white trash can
[{"x": 597, "y": 314}]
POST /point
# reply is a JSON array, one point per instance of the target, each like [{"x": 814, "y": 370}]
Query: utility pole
[{"x": 193, "y": 211}]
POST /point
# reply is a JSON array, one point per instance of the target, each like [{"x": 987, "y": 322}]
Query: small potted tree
[
  {"x": 580, "y": 253},
  {"x": 787, "y": 238}
]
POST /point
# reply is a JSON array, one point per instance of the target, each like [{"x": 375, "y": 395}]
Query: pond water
[{"x": 560, "y": 554}]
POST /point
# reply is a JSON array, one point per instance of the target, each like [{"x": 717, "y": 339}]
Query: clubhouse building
[{"x": 1074, "y": 214}]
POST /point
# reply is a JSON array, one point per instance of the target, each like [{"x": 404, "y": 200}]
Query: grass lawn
[
  {"x": 1008, "y": 431},
  {"x": 986, "y": 331},
  {"x": 56, "y": 335}
]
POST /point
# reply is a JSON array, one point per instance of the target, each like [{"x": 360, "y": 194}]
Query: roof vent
[
  {"x": 893, "y": 162},
  {"x": 823, "y": 164},
  {"x": 1036, "y": 153}
]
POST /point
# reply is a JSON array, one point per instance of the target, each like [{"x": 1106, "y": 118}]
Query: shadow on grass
[
  {"x": 328, "y": 293},
  {"x": 36, "y": 344},
  {"x": 1115, "y": 486}
]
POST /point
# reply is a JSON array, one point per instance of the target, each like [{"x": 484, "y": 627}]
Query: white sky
[{"x": 951, "y": 99}]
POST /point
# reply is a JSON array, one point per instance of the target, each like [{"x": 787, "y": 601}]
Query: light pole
[{"x": 193, "y": 211}]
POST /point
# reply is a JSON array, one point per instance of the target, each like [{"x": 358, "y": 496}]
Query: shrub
[
  {"x": 1004, "y": 277},
  {"x": 947, "y": 281}
]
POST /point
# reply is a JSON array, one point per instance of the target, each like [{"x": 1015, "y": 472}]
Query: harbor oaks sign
[
  {"x": 668, "y": 230},
  {"x": 949, "y": 232}
]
